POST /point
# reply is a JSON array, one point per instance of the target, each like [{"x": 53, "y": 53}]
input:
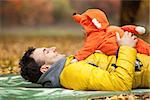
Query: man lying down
[{"x": 51, "y": 69}]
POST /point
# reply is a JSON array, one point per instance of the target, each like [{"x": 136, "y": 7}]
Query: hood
[{"x": 92, "y": 20}]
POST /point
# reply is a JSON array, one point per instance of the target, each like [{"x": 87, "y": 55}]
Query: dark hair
[{"x": 30, "y": 69}]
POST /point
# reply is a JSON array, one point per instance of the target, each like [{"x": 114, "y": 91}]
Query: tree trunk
[{"x": 129, "y": 10}]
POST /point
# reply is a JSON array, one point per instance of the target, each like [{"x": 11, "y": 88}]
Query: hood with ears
[{"x": 92, "y": 20}]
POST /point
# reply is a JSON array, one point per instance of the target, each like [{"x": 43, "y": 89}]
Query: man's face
[{"x": 46, "y": 55}]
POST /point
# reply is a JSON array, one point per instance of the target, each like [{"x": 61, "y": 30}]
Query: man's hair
[{"x": 30, "y": 69}]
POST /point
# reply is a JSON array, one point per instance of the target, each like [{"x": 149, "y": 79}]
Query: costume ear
[
  {"x": 44, "y": 68},
  {"x": 96, "y": 23}
]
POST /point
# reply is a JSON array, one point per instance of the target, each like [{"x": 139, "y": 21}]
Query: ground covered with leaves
[
  {"x": 145, "y": 96},
  {"x": 12, "y": 48}
]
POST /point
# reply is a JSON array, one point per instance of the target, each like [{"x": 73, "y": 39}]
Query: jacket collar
[{"x": 51, "y": 77}]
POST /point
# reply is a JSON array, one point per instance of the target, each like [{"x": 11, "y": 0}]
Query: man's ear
[{"x": 44, "y": 68}]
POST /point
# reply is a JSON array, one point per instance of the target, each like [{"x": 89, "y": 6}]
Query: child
[{"x": 100, "y": 36}]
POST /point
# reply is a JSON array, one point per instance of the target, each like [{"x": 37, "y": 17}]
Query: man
[{"x": 97, "y": 72}]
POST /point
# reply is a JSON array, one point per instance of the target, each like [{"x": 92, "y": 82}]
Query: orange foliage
[{"x": 26, "y": 12}]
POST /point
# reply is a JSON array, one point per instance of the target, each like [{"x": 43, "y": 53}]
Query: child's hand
[
  {"x": 73, "y": 61},
  {"x": 140, "y": 29},
  {"x": 127, "y": 39}
]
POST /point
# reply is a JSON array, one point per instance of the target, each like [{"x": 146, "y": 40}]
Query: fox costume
[{"x": 100, "y": 36}]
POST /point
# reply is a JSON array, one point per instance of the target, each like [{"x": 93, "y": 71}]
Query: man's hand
[{"x": 126, "y": 40}]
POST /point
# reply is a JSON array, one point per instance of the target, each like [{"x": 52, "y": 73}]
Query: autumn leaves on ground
[{"x": 12, "y": 48}]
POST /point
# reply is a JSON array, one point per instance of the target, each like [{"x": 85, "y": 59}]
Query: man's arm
[
  {"x": 83, "y": 76},
  {"x": 122, "y": 77}
]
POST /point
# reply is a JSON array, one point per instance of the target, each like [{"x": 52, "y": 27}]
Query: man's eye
[{"x": 44, "y": 50}]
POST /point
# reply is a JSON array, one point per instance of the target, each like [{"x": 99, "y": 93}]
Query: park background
[{"x": 46, "y": 23}]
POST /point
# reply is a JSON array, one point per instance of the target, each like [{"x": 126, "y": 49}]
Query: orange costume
[{"x": 101, "y": 36}]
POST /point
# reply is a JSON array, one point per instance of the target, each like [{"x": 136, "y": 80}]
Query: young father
[{"x": 49, "y": 68}]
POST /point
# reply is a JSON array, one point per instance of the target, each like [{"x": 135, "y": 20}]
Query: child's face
[{"x": 46, "y": 55}]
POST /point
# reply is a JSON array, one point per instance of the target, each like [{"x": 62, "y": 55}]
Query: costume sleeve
[
  {"x": 90, "y": 45},
  {"x": 130, "y": 28},
  {"x": 120, "y": 78}
]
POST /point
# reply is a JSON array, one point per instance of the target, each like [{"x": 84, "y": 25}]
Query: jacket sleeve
[
  {"x": 130, "y": 28},
  {"x": 120, "y": 78},
  {"x": 90, "y": 45}
]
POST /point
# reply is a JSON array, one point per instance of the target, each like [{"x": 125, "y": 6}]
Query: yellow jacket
[{"x": 84, "y": 76}]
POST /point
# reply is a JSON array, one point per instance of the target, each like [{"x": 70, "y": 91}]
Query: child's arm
[
  {"x": 134, "y": 29},
  {"x": 90, "y": 45}
]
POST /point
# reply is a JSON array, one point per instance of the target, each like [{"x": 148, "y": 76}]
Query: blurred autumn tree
[
  {"x": 46, "y": 12},
  {"x": 9, "y": 10},
  {"x": 110, "y": 7},
  {"x": 34, "y": 12},
  {"x": 26, "y": 12},
  {"x": 62, "y": 10},
  {"x": 129, "y": 11},
  {"x": 135, "y": 11}
]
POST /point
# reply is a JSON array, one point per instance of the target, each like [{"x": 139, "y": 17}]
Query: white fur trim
[
  {"x": 140, "y": 30},
  {"x": 98, "y": 51},
  {"x": 96, "y": 23},
  {"x": 74, "y": 60}
]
